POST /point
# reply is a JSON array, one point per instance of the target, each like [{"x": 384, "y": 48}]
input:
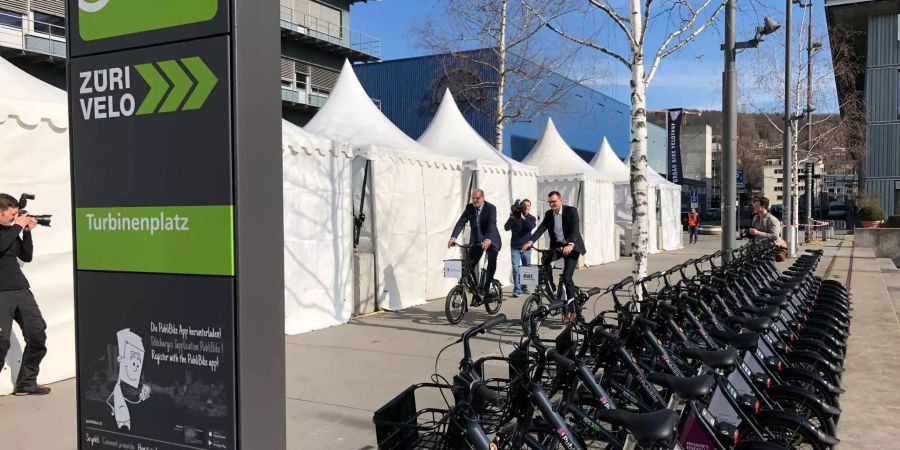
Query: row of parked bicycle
[{"x": 716, "y": 353}]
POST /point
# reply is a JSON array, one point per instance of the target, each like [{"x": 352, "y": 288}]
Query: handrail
[{"x": 331, "y": 32}]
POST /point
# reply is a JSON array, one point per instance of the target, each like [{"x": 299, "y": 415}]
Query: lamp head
[{"x": 769, "y": 26}]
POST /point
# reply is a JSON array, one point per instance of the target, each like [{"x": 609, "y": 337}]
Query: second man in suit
[
  {"x": 482, "y": 219},
  {"x": 565, "y": 237}
]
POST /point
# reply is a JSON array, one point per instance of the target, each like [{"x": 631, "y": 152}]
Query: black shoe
[{"x": 32, "y": 390}]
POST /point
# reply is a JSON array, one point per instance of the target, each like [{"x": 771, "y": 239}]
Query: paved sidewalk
[{"x": 337, "y": 377}]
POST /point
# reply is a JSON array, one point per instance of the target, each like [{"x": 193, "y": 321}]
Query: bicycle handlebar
[{"x": 482, "y": 390}]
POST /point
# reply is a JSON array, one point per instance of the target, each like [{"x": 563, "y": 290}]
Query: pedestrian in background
[{"x": 693, "y": 220}]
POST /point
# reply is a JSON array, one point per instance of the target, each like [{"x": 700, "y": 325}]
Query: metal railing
[
  {"x": 20, "y": 32},
  {"x": 324, "y": 30}
]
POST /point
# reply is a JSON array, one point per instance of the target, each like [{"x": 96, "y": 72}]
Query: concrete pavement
[{"x": 337, "y": 377}]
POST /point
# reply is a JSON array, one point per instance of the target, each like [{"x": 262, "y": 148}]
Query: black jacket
[
  {"x": 13, "y": 248},
  {"x": 521, "y": 229},
  {"x": 571, "y": 226},
  {"x": 488, "y": 224}
]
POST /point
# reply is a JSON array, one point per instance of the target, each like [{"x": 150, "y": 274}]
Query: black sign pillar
[
  {"x": 176, "y": 190},
  {"x": 673, "y": 145}
]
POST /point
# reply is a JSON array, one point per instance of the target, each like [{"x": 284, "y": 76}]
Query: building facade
[
  {"x": 316, "y": 38},
  {"x": 773, "y": 177},
  {"x": 411, "y": 89},
  {"x": 872, "y": 26}
]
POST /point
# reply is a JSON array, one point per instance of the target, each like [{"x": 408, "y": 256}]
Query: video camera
[
  {"x": 42, "y": 219},
  {"x": 517, "y": 208}
]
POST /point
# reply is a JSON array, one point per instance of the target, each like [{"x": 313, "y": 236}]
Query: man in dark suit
[
  {"x": 565, "y": 237},
  {"x": 482, "y": 219}
]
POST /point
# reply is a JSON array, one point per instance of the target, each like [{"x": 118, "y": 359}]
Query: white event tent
[
  {"x": 593, "y": 194},
  {"x": 607, "y": 163},
  {"x": 318, "y": 230},
  {"x": 671, "y": 236},
  {"x": 503, "y": 179},
  {"x": 34, "y": 149},
  {"x": 413, "y": 195}
]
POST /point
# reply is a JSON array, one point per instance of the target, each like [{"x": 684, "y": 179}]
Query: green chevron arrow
[
  {"x": 158, "y": 88},
  {"x": 206, "y": 81},
  {"x": 181, "y": 84}
]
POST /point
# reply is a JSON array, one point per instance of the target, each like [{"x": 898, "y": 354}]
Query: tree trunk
[
  {"x": 501, "y": 81},
  {"x": 640, "y": 225}
]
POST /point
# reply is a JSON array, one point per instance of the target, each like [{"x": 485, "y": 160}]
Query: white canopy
[
  {"x": 667, "y": 220},
  {"x": 503, "y": 179},
  {"x": 34, "y": 150},
  {"x": 318, "y": 231},
  {"x": 414, "y": 195},
  {"x": 564, "y": 171},
  {"x": 607, "y": 163}
]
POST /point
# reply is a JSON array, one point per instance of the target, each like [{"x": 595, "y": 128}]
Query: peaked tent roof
[
  {"x": 450, "y": 134},
  {"x": 350, "y": 116},
  {"x": 609, "y": 165},
  {"x": 552, "y": 156},
  {"x": 655, "y": 178},
  {"x": 30, "y": 99}
]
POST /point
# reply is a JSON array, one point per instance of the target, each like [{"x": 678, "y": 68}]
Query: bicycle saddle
[
  {"x": 779, "y": 301},
  {"x": 688, "y": 388},
  {"x": 816, "y": 251},
  {"x": 717, "y": 359},
  {"x": 746, "y": 340},
  {"x": 751, "y": 323},
  {"x": 646, "y": 428},
  {"x": 771, "y": 312}
]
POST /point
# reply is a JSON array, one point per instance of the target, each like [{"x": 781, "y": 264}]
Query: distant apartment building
[{"x": 773, "y": 178}]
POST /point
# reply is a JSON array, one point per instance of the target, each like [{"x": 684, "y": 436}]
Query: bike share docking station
[{"x": 174, "y": 114}]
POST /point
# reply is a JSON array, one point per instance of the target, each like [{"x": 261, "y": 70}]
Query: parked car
[{"x": 837, "y": 210}]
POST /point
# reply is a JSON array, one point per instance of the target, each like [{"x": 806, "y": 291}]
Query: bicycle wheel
[
  {"x": 495, "y": 298},
  {"x": 805, "y": 408},
  {"x": 455, "y": 306},
  {"x": 787, "y": 433},
  {"x": 531, "y": 304}
]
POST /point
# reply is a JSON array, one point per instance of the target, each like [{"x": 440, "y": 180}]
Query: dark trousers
[
  {"x": 19, "y": 306},
  {"x": 475, "y": 256},
  {"x": 570, "y": 263},
  {"x": 693, "y": 236}
]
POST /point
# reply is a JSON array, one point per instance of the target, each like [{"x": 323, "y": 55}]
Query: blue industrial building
[{"x": 410, "y": 90}]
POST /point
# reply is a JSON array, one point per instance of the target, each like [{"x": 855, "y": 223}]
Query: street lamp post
[
  {"x": 787, "y": 166},
  {"x": 729, "y": 108}
]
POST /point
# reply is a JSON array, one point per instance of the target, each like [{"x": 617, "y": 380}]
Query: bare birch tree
[
  {"x": 683, "y": 21},
  {"x": 523, "y": 74}
]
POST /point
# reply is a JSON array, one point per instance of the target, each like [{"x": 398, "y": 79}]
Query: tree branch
[{"x": 663, "y": 51}]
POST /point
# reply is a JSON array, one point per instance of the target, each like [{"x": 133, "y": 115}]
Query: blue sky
[{"x": 690, "y": 78}]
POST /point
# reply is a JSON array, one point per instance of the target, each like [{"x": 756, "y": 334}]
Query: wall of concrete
[{"x": 885, "y": 241}]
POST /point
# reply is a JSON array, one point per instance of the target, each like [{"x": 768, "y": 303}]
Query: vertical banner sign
[
  {"x": 673, "y": 145},
  {"x": 153, "y": 87}
]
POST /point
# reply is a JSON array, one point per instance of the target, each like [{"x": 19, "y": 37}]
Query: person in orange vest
[{"x": 693, "y": 220}]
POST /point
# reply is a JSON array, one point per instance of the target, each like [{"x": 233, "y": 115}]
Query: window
[
  {"x": 10, "y": 18},
  {"x": 302, "y": 81},
  {"x": 778, "y": 171},
  {"x": 779, "y": 180},
  {"x": 47, "y": 24},
  {"x": 779, "y": 197},
  {"x": 777, "y": 188}
]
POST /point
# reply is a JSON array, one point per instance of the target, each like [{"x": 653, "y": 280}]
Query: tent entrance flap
[{"x": 360, "y": 218}]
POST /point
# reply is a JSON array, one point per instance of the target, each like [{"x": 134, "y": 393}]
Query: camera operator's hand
[
  {"x": 32, "y": 224},
  {"x": 485, "y": 244},
  {"x": 22, "y": 221}
]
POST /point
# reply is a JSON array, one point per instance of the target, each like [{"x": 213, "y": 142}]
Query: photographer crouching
[
  {"x": 520, "y": 223},
  {"x": 16, "y": 301}
]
